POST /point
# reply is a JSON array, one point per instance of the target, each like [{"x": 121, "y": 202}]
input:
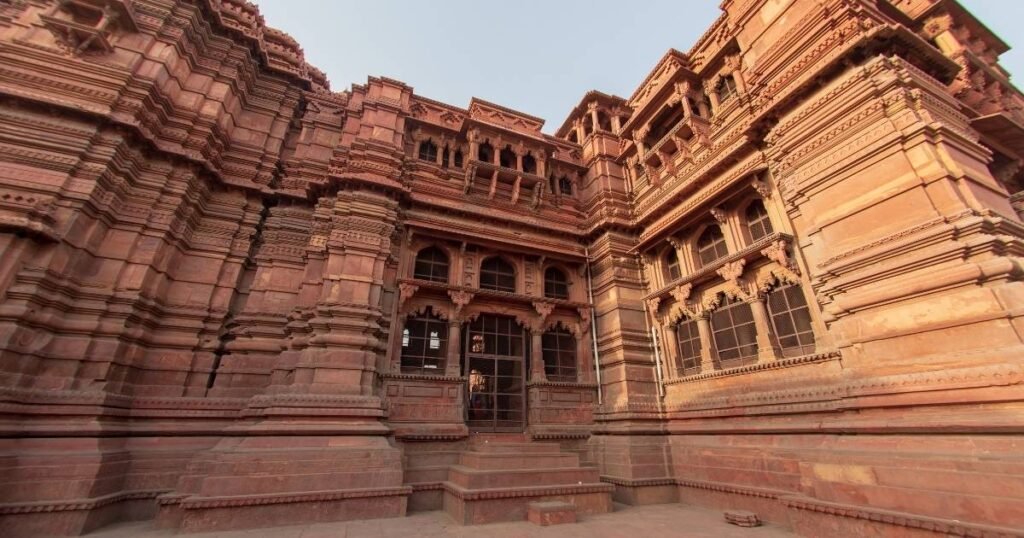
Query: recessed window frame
[
  {"x": 432, "y": 264},
  {"x": 497, "y": 274},
  {"x": 424, "y": 346},
  {"x": 711, "y": 245},
  {"x": 734, "y": 333},
  {"x": 556, "y": 284},
  {"x": 688, "y": 347},
  {"x": 558, "y": 349},
  {"x": 791, "y": 320}
]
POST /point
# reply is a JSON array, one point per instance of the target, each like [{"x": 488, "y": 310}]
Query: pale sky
[{"x": 536, "y": 56}]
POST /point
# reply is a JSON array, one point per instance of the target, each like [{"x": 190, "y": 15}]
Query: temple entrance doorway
[{"x": 494, "y": 364}]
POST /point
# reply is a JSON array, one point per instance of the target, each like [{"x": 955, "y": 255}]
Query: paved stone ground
[{"x": 627, "y": 521}]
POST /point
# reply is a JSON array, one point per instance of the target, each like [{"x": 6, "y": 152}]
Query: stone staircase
[{"x": 499, "y": 476}]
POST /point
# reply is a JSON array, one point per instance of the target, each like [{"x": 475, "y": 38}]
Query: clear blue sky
[{"x": 536, "y": 56}]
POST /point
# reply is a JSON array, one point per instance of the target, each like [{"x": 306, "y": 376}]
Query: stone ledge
[
  {"x": 761, "y": 366},
  {"x": 512, "y": 493},
  {"x": 750, "y": 491},
  {"x": 899, "y": 519},
  {"x": 638, "y": 482},
  {"x": 78, "y": 504},
  {"x": 193, "y": 503}
]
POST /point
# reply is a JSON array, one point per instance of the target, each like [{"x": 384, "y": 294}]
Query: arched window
[
  {"x": 726, "y": 88},
  {"x": 424, "y": 345},
  {"x": 711, "y": 245},
  {"x": 556, "y": 286},
  {"x": 507, "y": 158},
  {"x": 428, "y": 151},
  {"x": 529, "y": 164},
  {"x": 688, "y": 340},
  {"x": 559, "y": 350},
  {"x": 431, "y": 264},
  {"x": 458, "y": 158},
  {"x": 497, "y": 274},
  {"x": 672, "y": 269},
  {"x": 485, "y": 153},
  {"x": 565, "y": 186},
  {"x": 791, "y": 320},
  {"x": 732, "y": 326},
  {"x": 757, "y": 220}
]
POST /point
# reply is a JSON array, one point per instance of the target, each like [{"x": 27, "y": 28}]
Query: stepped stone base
[{"x": 499, "y": 479}]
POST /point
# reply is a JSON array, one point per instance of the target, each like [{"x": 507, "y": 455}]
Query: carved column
[
  {"x": 767, "y": 349},
  {"x": 707, "y": 343},
  {"x": 671, "y": 350},
  {"x": 451, "y": 368},
  {"x": 593, "y": 116},
  {"x": 537, "y": 355}
]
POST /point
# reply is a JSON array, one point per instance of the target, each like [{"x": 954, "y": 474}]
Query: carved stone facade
[{"x": 784, "y": 276}]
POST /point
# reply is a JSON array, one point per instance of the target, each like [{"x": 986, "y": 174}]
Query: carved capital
[
  {"x": 762, "y": 188},
  {"x": 584, "y": 312},
  {"x": 732, "y": 271},
  {"x": 543, "y": 309},
  {"x": 460, "y": 299},
  {"x": 653, "y": 304},
  {"x": 405, "y": 292},
  {"x": 778, "y": 252},
  {"x": 682, "y": 292}
]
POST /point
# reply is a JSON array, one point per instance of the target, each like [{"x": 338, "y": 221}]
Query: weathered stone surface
[{"x": 231, "y": 297}]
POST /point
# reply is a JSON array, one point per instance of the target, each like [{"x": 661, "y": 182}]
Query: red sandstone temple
[{"x": 783, "y": 276}]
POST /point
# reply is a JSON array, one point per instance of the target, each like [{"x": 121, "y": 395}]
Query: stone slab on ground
[{"x": 550, "y": 513}]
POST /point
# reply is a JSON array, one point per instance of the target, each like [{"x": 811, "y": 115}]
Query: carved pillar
[
  {"x": 451, "y": 368},
  {"x": 707, "y": 343},
  {"x": 580, "y": 132},
  {"x": 541, "y": 165},
  {"x": 593, "y": 116},
  {"x": 616, "y": 124},
  {"x": 671, "y": 350},
  {"x": 709, "y": 90},
  {"x": 537, "y": 356},
  {"x": 767, "y": 349}
]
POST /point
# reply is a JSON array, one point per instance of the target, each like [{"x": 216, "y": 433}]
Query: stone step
[
  {"x": 489, "y": 479},
  {"x": 550, "y": 513},
  {"x": 517, "y": 448},
  {"x": 501, "y": 461},
  {"x": 476, "y": 507}
]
